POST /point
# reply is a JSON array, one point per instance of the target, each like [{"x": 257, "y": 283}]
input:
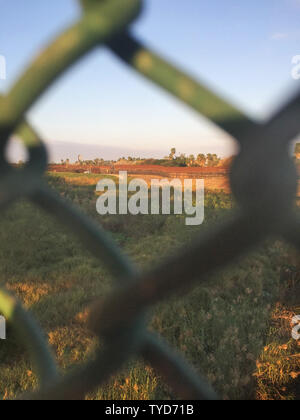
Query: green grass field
[{"x": 235, "y": 329}]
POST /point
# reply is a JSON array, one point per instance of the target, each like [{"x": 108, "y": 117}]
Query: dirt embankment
[{"x": 215, "y": 178}]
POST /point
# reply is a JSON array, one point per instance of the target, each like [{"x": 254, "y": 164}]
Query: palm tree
[{"x": 201, "y": 159}]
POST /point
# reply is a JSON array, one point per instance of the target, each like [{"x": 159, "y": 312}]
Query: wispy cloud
[
  {"x": 278, "y": 36},
  {"x": 290, "y": 36}
]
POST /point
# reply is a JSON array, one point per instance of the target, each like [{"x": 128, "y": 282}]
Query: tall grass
[{"x": 222, "y": 327}]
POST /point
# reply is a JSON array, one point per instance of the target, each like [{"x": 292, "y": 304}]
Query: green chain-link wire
[{"x": 255, "y": 179}]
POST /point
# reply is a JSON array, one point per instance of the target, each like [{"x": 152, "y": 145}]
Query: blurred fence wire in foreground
[{"x": 263, "y": 180}]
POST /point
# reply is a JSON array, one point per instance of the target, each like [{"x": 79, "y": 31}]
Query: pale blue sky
[{"x": 241, "y": 48}]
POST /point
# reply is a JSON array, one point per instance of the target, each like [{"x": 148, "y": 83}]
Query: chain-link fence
[{"x": 263, "y": 180}]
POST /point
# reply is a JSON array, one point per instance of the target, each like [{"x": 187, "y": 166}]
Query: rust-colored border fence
[{"x": 263, "y": 180}]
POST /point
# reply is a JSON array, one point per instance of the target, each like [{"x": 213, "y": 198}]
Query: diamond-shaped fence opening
[{"x": 264, "y": 188}]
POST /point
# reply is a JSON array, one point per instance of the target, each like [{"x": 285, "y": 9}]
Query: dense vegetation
[
  {"x": 180, "y": 160},
  {"x": 234, "y": 329}
]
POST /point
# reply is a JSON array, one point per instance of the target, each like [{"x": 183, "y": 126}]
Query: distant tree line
[
  {"x": 173, "y": 159},
  {"x": 204, "y": 160}
]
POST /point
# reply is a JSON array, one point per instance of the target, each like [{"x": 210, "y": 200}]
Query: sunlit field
[{"x": 234, "y": 329}]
